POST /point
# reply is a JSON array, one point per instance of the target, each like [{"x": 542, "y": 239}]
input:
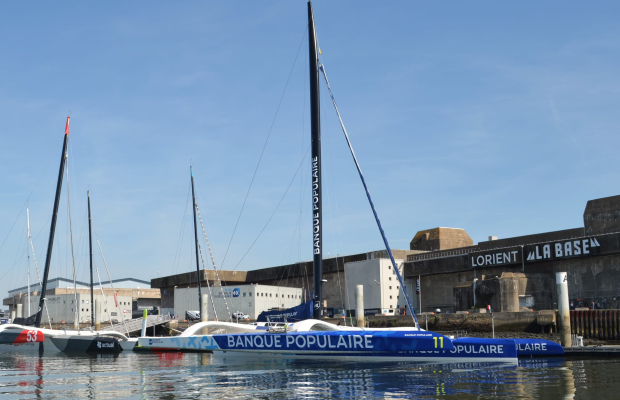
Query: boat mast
[
  {"x": 90, "y": 247},
  {"x": 315, "y": 122},
  {"x": 50, "y": 244},
  {"x": 28, "y": 225},
  {"x": 191, "y": 172}
]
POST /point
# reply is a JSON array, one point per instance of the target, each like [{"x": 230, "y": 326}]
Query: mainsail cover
[{"x": 297, "y": 313}]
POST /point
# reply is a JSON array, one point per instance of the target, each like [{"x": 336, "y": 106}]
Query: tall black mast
[
  {"x": 315, "y": 121},
  {"x": 90, "y": 246},
  {"x": 50, "y": 244},
  {"x": 191, "y": 172}
]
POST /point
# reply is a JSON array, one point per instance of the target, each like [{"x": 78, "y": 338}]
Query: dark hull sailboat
[{"x": 28, "y": 336}]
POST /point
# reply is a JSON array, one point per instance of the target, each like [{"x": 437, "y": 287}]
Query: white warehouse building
[
  {"x": 248, "y": 299},
  {"x": 382, "y": 291},
  {"x": 62, "y": 307}
]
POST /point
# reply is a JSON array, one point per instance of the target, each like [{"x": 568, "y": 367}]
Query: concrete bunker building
[{"x": 519, "y": 272}]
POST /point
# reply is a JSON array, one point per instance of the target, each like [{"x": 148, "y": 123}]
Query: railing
[
  {"x": 597, "y": 324},
  {"x": 135, "y": 324},
  {"x": 438, "y": 254}
]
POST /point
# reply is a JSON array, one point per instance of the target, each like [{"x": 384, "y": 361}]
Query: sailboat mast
[
  {"x": 90, "y": 247},
  {"x": 50, "y": 244},
  {"x": 191, "y": 172},
  {"x": 315, "y": 122},
  {"x": 28, "y": 226}
]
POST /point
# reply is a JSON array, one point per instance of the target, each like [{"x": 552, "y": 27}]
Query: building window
[
  {"x": 390, "y": 287},
  {"x": 276, "y": 295},
  {"x": 282, "y": 305},
  {"x": 82, "y": 303},
  {"x": 396, "y": 287},
  {"x": 390, "y": 297},
  {"x": 250, "y": 304},
  {"x": 389, "y": 267},
  {"x": 271, "y": 294},
  {"x": 82, "y": 308},
  {"x": 243, "y": 294},
  {"x": 390, "y": 278},
  {"x": 250, "y": 294},
  {"x": 398, "y": 297},
  {"x": 390, "y": 306}
]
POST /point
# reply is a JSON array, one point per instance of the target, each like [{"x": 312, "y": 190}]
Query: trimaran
[
  {"x": 315, "y": 338},
  {"x": 25, "y": 338}
]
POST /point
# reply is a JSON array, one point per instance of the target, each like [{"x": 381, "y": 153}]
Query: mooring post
[
  {"x": 204, "y": 300},
  {"x": 97, "y": 315},
  {"x": 144, "y": 317},
  {"x": 359, "y": 306},
  {"x": 561, "y": 280}
]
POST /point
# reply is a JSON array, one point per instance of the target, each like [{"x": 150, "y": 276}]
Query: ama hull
[
  {"x": 538, "y": 348},
  {"x": 426, "y": 347},
  {"x": 24, "y": 339}
]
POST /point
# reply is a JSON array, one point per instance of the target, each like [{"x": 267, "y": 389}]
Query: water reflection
[{"x": 189, "y": 376}]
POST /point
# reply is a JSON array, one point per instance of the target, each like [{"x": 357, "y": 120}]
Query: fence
[{"x": 598, "y": 324}]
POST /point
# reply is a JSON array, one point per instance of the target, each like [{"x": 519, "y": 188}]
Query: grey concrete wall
[
  {"x": 602, "y": 216},
  {"x": 536, "y": 238}
]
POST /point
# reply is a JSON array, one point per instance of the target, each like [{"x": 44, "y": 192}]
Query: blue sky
[{"x": 498, "y": 118}]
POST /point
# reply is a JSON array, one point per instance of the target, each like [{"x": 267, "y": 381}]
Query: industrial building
[
  {"x": 455, "y": 274},
  {"x": 248, "y": 299},
  {"x": 381, "y": 288},
  {"x": 298, "y": 275},
  {"x": 519, "y": 273},
  {"x": 129, "y": 295}
]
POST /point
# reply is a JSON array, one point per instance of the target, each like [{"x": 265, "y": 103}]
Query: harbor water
[{"x": 193, "y": 376}]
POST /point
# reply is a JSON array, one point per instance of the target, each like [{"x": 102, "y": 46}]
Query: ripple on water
[{"x": 192, "y": 376}]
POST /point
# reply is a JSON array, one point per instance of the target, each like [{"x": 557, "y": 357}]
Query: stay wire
[
  {"x": 263, "y": 150},
  {"x": 25, "y": 204},
  {"x": 274, "y": 211},
  {"x": 372, "y": 206}
]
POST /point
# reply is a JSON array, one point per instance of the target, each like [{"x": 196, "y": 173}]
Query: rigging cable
[
  {"x": 331, "y": 218},
  {"x": 208, "y": 286},
  {"x": 122, "y": 315},
  {"x": 36, "y": 266},
  {"x": 263, "y": 150},
  {"x": 76, "y": 315},
  {"x": 217, "y": 275},
  {"x": 25, "y": 204},
  {"x": 372, "y": 206},
  {"x": 105, "y": 302},
  {"x": 176, "y": 261},
  {"x": 274, "y": 211}
]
